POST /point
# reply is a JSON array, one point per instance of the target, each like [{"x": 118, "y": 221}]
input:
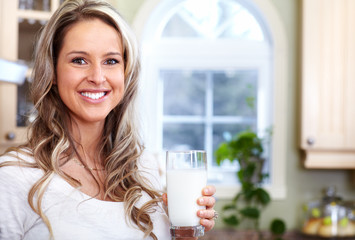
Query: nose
[{"x": 96, "y": 74}]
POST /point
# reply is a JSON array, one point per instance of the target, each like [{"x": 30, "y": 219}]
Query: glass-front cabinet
[{"x": 20, "y": 22}]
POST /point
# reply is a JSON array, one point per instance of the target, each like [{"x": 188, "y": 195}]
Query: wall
[
  {"x": 302, "y": 184},
  {"x": 128, "y": 9}
]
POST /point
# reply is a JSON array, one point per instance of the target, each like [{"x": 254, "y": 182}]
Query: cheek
[
  {"x": 66, "y": 85},
  {"x": 119, "y": 82},
  {"x": 60, "y": 76},
  {"x": 61, "y": 83},
  {"x": 120, "y": 88},
  {"x": 67, "y": 78}
]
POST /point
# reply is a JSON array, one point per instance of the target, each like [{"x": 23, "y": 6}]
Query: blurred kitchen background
[{"x": 212, "y": 68}]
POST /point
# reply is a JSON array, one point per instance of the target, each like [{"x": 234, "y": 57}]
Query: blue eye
[{"x": 78, "y": 61}]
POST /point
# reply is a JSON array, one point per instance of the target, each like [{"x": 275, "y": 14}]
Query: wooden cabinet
[
  {"x": 328, "y": 84},
  {"x": 20, "y": 21}
]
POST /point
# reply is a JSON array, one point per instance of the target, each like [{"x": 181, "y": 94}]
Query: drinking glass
[{"x": 186, "y": 176}]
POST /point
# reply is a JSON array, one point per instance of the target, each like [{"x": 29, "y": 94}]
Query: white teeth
[{"x": 93, "y": 96}]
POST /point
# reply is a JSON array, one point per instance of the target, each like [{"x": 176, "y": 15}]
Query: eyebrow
[{"x": 85, "y": 53}]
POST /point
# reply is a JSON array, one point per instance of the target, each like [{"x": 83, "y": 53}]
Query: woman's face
[{"x": 90, "y": 71}]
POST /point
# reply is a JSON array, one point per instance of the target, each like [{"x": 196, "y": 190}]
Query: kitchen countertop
[{"x": 225, "y": 234}]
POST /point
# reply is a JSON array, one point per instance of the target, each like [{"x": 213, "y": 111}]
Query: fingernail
[
  {"x": 201, "y": 201},
  {"x": 206, "y": 191}
]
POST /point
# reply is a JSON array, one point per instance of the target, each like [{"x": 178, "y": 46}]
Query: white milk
[{"x": 184, "y": 187}]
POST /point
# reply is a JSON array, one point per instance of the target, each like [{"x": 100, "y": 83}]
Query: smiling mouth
[{"x": 93, "y": 96}]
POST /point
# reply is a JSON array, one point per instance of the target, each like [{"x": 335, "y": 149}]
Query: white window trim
[
  {"x": 277, "y": 187},
  {"x": 220, "y": 56}
]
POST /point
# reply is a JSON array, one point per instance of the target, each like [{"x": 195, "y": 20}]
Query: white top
[{"x": 71, "y": 213}]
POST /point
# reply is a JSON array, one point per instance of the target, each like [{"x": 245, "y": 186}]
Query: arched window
[{"x": 207, "y": 75}]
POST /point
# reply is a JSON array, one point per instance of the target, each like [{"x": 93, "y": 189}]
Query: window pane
[
  {"x": 27, "y": 31},
  {"x": 242, "y": 25},
  {"x": 40, "y": 5},
  {"x": 178, "y": 27},
  {"x": 24, "y": 105},
  {"x": 184, "y": 92},
  {"x": 235, "y": 93},
  {"x": 213, "y": 19},
  {"x": 179, "y": 136}
]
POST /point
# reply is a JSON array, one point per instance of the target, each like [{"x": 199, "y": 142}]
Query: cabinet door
[
  {"x": 328, "y": 83},
  {"x": 20, "y": 21},
  {"x": 8, "y": 92}
]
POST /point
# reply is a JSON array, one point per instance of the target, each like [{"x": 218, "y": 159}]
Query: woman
[{"x": 84, "y": 138}]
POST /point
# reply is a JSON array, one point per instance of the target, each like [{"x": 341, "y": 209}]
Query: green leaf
[
  {"x": 263, "y": 196},
  {"x": 222, "y": 153},
  {"x": 240, "y": 175},
  {"x": 250, "y": 212},
  {"x": 249, "y": 193},
  {"x": 249, "y": 171},
  {"x": 265, "y": 175},
  {"x": 278, "y": 226},
  {"x": 229, "y": 207},
  {"x": 250, "y": 102},
  {"x": 247, "y": 186},
  {"x": 232, "y": 220}
]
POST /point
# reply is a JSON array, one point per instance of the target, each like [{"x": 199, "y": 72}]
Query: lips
[{"x": 94, "y": 95}]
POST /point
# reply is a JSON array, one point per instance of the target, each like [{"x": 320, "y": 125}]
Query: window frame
[{"x": 277, "y": 185}]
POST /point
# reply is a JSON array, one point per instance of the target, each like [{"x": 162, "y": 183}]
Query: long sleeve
[
  {"x": 13, "y": 200},
  {"x": 16, "y": 216}
]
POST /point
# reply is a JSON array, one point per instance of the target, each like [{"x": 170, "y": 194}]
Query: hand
[
  {"x": 207, "y": 215},
  {"x": 207, "y": 200}
]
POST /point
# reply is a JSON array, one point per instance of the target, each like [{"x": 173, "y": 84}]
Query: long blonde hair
[{"x": 49, "y": 138}]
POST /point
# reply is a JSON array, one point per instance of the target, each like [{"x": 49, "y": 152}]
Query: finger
[
  {"x": 208, "y": 190},
  {"x": 165, "y": 198},
  {"x": 209, "y": 202},
  {"x": 207, "y": 223},
  {"x": 208, "y": 213}
]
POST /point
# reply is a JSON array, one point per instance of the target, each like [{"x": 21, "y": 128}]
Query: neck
[{"x": 88, "y": 136}]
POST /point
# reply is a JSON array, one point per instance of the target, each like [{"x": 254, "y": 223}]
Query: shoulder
[
  {"x": 13, "y": 171},
  {"x": 16, "y": 179},
  {"x": 21, "y": 155}
]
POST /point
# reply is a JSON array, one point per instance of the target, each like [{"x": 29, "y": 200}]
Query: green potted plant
[
  {"x": 246, "y": 148},
  {"x": 245, "y": 208}
]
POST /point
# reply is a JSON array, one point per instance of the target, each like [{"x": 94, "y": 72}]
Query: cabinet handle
[
  {"x": 10, "y": 136},
  {"x": 311, "y": 141}
]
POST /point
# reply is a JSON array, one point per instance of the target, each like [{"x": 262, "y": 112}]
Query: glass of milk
[{"x": 186, "y": 176}]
